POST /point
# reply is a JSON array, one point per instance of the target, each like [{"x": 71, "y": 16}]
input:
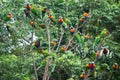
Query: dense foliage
[{"x": 59, "y": 39}]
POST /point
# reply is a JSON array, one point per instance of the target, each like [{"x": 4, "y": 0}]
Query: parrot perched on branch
[
  {"x": 115, "y": 66},
  {"x": 63, "y": 48},
  {"x": 27, "y": 10},
  {"x": 72, "y": 30},
  {"x": 105, "y": 51},
  {"x": 44, "y": 11},
  {"x": 28, "y": 7},
  {"x": 91, "y": 65},
  {"x": 60, "y": 20},
  {"x": 37, "y": 43},
  {"x": 9, "y": 16},
  {"x": 103, "y": 33},
  {"x": 32, "y": 24},
  {"x": 87, "y": 37},
  {"x": 85, "y": 15},
  {"x": 52, "y": 18},
  {"x": 54, "y": 42},
  {"x": 82, "y": 76}
]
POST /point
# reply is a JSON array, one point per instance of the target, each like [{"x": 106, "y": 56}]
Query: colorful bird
[
  {"x": 9, "y": 16},
  {"x": 63, "y": 48},
  {"x": 28, "y": 7},
  {"x": 91, "y": 65},
  {"x": 87, "y": 37},
  {"x": 105, "y": 51},
  {"x": 60, "y": 20},
  {"x": 82, "y": 76},
  {"x": 32, "y": 24},
  {"x": 54, "y": 42},
  {"x": 44, "y": 10},
  {"x": 37, "y": 43},
  {"x": 85, "y": 15},
  {"x": 50, "y": 17},
  {"x": 115, "y": 66},
  {"x": 72, "y": 30}
]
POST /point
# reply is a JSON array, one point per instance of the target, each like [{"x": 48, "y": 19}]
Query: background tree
[{"x": 59, "y": 39}]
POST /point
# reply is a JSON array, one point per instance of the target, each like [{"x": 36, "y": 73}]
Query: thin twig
[
  {"x": 48, "y": 34},
  {"x": 53, "y": 47},
  {"x": 46, "y": 69},
  {"x": 86, "y": 78},
  {"x": 36, "y": 75},
  {"x": 48, "y": 61},
  {"x": 60, "y": 39}
]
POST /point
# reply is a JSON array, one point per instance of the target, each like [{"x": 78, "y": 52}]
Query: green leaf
[
  {"x": 80, "y": 39},
  {"x": 97, "y": 41}
]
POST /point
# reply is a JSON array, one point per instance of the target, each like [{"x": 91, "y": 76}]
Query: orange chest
[
  {"x": 31, "y": 23},
  {"x": 82, "y": 76},
  {"x": 115, "y": 66},
  {"x": 72, "y": 30},
  {"x": 63, "y": 48},
  {"x": 86, "y": 14},
  {"x": 28, "y": 6},
  {"x": 9, "y": 16},
  {"x": 50, "y": 17},
  {"x": 53, "y": 43},
  {"x": 36, "y": 43},
  {"x": 87, "y": 36},
  {"x": 60, "y": 20}
]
